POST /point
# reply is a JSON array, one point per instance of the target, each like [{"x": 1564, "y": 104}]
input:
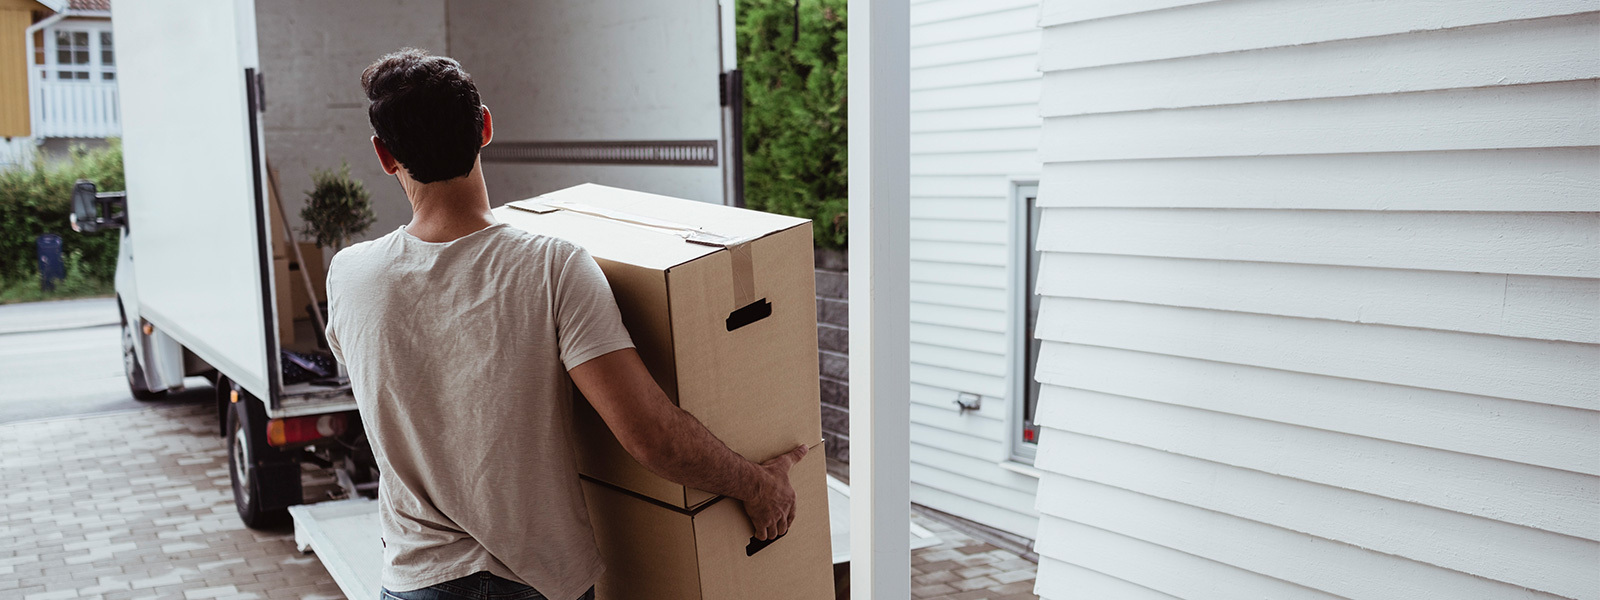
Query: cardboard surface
[
  {"x": 661, "y": 552},
  {"x": 754, "y": 385},
  {"x": 280, "y": 243},
  {"x": 319, "y": 279},
  {"x": 280, "y": 283}
]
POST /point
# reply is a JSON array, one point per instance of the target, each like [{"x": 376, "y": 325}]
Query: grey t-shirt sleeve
[{"x": 587, "y": 320}]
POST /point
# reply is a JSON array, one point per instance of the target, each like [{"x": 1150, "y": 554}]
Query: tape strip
[
  {"x": 691, "y": 234},
  {"x": 744, "y": 277},
  {"x": 744, "y": 282}
]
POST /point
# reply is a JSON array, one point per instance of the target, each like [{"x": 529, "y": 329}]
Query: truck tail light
[{"x": 295, "y": 430}]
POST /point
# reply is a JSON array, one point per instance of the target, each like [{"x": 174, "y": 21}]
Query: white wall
[
  {"x": 541, "y": 80},
  {"x": 599, "y": 70},
  {"x": 974, "y": 126},
  {"x": 1321, "y": 315},
  {"x": 312, "y": 55}
]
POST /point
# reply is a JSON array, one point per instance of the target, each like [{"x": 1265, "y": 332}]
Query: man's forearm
[
  {"x": 690, "y": 454},
  {"x": 664, "y": 438}
]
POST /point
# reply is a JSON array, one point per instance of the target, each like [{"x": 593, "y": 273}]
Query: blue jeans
[{"x": 482, "y": 585}]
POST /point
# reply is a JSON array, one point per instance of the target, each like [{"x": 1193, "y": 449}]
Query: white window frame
[
  {"x": 96, "y": 68},
  {"x": 1017, "y": 309}
]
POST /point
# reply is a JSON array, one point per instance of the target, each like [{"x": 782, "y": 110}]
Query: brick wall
[{"x": 833, "y": 347}]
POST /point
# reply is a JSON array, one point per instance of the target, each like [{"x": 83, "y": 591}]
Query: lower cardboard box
[{"x": 661, "y": 552}]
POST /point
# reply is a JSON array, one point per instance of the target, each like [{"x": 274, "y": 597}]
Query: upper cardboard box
[
  {"x": 640, "y": 228},
  {"x": 721, "y": 304}
]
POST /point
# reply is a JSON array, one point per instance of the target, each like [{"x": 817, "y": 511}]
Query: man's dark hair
[{"x": 426, "y": 110}]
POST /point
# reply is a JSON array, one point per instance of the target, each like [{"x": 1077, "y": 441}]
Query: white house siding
[
  {"x": 974, "y": 127},
  {"x": 1321, "y": 314}
]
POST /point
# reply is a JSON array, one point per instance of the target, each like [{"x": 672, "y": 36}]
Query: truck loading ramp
[{"x": 344, "y": 535}]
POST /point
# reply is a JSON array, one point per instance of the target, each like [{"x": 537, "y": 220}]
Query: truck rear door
[
  {"x": 616, "y": 92},
  {"x": 190, "y": 140}
]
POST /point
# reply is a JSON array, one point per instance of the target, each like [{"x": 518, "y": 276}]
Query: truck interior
[{"x": 623, "y": 93}]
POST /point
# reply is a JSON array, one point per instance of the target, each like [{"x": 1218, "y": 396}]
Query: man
[{"x": 463, "y": 337}]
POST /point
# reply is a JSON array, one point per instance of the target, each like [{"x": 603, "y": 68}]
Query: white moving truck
[
  {"x": 641, "y": 95},
  {"x": 212, "y": 92}
]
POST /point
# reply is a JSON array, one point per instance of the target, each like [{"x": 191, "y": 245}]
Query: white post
[{"x": 880, "y": 366}]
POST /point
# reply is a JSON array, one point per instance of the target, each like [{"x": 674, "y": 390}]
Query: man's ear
[
  {"x": 488, "y": 126},
  {"x": 390, "y": 165}
]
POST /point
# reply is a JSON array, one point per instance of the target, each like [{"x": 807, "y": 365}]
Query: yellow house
[{"x": 58, "y": 78}]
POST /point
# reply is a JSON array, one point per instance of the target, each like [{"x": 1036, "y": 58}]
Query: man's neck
[{"x": 444, "y": 211}]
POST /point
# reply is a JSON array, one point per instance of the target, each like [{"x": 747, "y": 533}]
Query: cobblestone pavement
[
  {"x": 138, "y": 505},
  {"x": 962, "y": 568}
]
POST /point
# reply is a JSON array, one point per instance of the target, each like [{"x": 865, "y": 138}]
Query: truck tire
[
  {"x": 130, "y": 363},
  {"x": 266, "y": 480}
]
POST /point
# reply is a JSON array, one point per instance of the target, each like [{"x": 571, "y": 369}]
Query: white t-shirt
[{"x": 458, "y": 355}]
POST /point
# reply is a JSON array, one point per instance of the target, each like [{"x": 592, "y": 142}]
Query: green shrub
[
  {"x": 77, "y": 284},
  {"x": 794, "y": 111},
  {"x": 36, "y": 200}
]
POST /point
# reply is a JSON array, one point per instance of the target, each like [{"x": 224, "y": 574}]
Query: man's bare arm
[{"x": 675, "y": 445}]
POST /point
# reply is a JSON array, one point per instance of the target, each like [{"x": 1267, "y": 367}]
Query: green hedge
[
  {"x": 36, "y": 200},
  {"x": 794, "y": 111}
]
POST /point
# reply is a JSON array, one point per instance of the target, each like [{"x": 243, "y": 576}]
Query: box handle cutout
[
  {"x": 759, "y": 545},
  {"x": 752, "y": 312}
]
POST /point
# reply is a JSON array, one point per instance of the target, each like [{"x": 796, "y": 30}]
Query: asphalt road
[{"x": 65, "y": 358}]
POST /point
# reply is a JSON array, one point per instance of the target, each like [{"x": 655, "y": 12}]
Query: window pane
[
  {"x": 80, "y": 38},
  {"x": 80, "y": 57},
  {"x": 1030, "y": 431},
  {"x": 107, "y": 49},
  {"x": 63, "y": 75},
  {"x": 64, "y": 57},
  {"x": 83, "y": 75},
  {"x": 63, "y": 39},
  {"x": 108, "y": 76}
]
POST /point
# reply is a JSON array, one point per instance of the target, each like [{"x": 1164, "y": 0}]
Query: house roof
[{"x": 102, "y": 5}]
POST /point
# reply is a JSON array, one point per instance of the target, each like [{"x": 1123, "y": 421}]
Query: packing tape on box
[
  {"x": 739, "y": 249},
  {"x": 744, "y": 285}
]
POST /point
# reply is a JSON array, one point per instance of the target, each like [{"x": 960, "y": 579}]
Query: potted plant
[{"x": 338, "y": 208}]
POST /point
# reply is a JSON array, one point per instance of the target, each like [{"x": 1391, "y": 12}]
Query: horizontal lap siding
[
  {"x": 1321, "y": 311},
  {"x": 975, "y": 124}
]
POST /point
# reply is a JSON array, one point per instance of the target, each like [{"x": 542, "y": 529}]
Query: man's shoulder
[
  {"x": 538, "y": 245},
  {"x": 361, "y": 249},
  {"x": 349, "y": 259}
]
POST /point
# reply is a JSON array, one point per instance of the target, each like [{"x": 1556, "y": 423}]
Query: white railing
[{"x": 76, "y": 109}]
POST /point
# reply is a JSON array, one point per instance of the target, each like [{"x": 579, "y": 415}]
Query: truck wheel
[
  {"x": 265, "y": 480},
  {"x": 130, "y": 364}
]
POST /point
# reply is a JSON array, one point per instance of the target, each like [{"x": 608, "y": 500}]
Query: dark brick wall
[{"x": 833, "y": 348}]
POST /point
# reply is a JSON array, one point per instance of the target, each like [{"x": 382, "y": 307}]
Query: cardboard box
[
  {"x": 652, "y": 550},
  {"x": 319, "y": 279},
  {"x": 280, "y": 283},
  {"x": 280, "y": 244},
  {"x": 721, "y": 304}
]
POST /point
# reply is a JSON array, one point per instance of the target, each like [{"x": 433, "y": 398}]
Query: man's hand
[{"x": 772, "y": 510}]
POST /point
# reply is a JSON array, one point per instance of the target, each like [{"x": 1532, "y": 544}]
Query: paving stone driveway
[
  {"x": 138, "y": 505},
  {"x": 962, "y": 568}
]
